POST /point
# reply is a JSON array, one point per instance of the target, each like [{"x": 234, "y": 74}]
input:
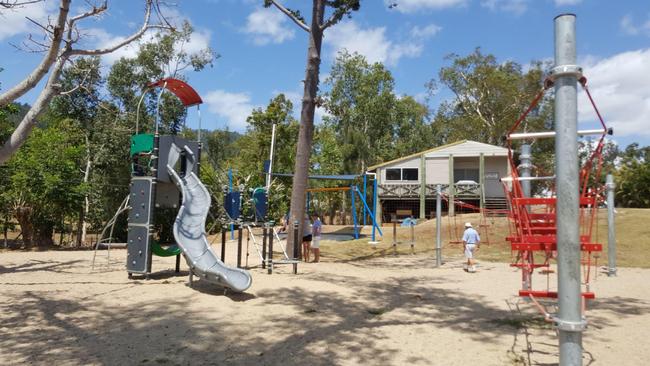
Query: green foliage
[
  {"x": 45, "y": 178},
  {"x": 488, "y": 98},
  {"x": 165, "y": 56},
  {"x": 633, "y": 177},
  {"x": 372, "y": 124}
]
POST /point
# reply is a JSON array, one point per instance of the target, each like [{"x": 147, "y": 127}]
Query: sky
[{"x": 263, "y": 53}]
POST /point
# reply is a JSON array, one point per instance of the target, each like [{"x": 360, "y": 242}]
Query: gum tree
[{"x": 336, "y": 10}]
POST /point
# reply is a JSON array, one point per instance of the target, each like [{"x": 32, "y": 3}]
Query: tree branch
[
  {"x": 28, "y": 122},
  {"x": 101, "y": 51},
  {"x": 41, "y": 70},
  {"x": 291, "y": 16},
  {"x": 338, "y": 14},
  {"x": 7, "y": 4},
  {"x": 94, "y": 11}
]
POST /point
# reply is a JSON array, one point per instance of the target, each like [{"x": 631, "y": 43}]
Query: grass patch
[{"x": 632, "y": 238}]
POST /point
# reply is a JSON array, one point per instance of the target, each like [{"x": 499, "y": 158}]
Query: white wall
[{"x": 437, "y": 170}]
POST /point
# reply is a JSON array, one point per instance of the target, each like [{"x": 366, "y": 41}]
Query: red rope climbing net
[{"x": 533, "y": 219}]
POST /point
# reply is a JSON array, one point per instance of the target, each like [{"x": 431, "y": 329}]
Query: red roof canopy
[{"x": 181, "y": 89}]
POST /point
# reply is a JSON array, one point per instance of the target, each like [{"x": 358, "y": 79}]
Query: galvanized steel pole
[
  {"x": 525, "y": 167},
  {"x": 611, "y": 227},
  {"x": 565, "y": 74},
  {"x": 438, "y": 223}
]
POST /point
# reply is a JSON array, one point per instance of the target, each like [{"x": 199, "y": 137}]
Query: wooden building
[{"x": 466, "y": 170}]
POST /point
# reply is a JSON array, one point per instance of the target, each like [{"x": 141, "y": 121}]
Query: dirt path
[{"x": 387, "y": 311}]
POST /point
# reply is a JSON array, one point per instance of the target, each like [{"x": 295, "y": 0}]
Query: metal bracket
[
  {"x": 565, "y": 70},
  {"x": 569, "y": 326}
]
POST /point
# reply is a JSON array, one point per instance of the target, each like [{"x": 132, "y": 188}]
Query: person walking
[{"x": 471, "y": 244}]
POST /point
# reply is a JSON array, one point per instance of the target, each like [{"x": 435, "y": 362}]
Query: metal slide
[{"x": 189, "y": 228}]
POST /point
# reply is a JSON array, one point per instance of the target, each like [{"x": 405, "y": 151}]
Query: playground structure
[
  {"x": 359, "y": 215},
  {"x": 560, "y": 226},
  {"x": 165, "y": 172}
]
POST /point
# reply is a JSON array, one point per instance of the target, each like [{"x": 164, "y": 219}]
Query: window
[
  {"x": 393, "y": 174},
  {"x": 466, "y": 174},
  {"x": 410, "y": 174},
  {"x": 402, "y": 174}
]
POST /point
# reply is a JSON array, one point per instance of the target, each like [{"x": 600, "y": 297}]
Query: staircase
[{"x": 496, "y": 206}]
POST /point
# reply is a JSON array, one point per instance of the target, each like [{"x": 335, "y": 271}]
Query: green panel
[
  {"x": 141, "y": 143},
  {"x": 161, "y": 251}
]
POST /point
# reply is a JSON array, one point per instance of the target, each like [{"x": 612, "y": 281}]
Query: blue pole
[
  {"x": 365, "y": 188},
  {"x": 232, "y": 228},
  {"x": 374, "y": 208},
  {"x": 372, "y": 217},
  {"x": 354, "y": 212}
]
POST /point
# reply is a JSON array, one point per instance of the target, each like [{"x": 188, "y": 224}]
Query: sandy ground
[{"x": 54, "y": 310}]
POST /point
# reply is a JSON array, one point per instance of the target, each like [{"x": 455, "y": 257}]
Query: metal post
[
  {"x": 395, "y": 235},
  {"x": 223, "y": 243},
  {"x": 565, "y": 73},
  {"x": 270, "y": 173},
  {"x": 525, "y": 167},
  {"x": 412, "y": 238},
  {"x": 438, "y": 223},
  {"x": 269, "y": 255},
  {"x": 232, "y": 228},
  {"x": 481, "y": 181},
  {"x": 353, "y": 205},
  {"x": 365, "y": 197},
  {"x": 264, "y": 233},
  {"x": 297, "y": 243},
  {"x": 423, "y": 187},
  {"x": 239, "y": 245},
  {"x": 611, "y": 227},
  {"x": 450, "y": 203},
  {"x": 374, "y": 207}
]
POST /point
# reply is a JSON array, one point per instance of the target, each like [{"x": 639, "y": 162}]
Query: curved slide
[{"x": 189, "y": 229}]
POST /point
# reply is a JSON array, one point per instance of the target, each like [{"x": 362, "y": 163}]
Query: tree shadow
[
  {"x": 318, "y": 327},
  {"x": 35, "y": 265}
]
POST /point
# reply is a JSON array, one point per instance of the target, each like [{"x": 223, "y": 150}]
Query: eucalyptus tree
[
  {"x": 336, "y": 9},
  {"x": 487, "y": 98},
  {"x": 361, "y": 102}
]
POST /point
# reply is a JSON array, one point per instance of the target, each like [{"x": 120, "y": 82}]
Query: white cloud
[
  {"x": 233, "y": 107},
  {"x": 517, "y": 7},
  {"x": 373, "y": 44},
  {"x": 425, "y": 32},
  {"x": 567, "y": 2},
  {"x": 14, "y": 21},
  {"x": 629, "y": 27},
  {"x": 267, "y": 25},
  {"x": 412, "y": 6},
  {"x": 619, "y": 86}
]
